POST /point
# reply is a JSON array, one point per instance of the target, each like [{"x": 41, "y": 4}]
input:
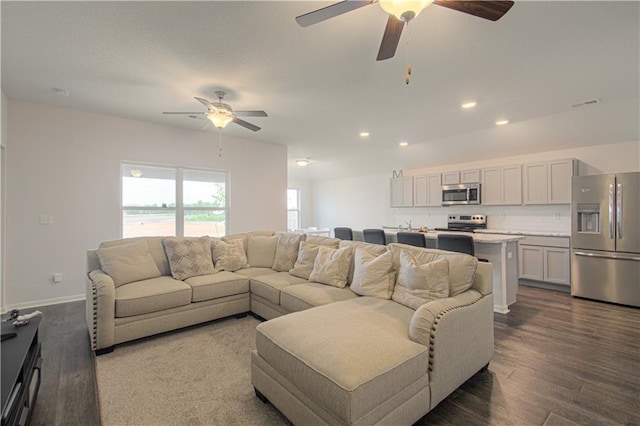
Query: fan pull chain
[
  {"x": 220, "y": 143},
  {"x": 409, "y": 69}
]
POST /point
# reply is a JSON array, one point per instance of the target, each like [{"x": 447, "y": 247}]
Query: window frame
[
  {"x": 179, "y": 192},
  {"x": 297, "y": 209}
]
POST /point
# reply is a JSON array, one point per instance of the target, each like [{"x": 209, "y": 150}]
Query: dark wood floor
[{"x": 558, "y": 361}]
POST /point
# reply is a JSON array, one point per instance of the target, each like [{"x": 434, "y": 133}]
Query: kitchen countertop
[
  {"x": 525, "y": 233},
  {"x": 479, "y": 238}
]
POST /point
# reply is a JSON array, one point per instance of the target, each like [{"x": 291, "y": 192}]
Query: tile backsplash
[{"x": 549, "y": 218}]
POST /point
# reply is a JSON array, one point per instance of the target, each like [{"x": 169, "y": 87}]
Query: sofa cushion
[
  {"x": 304, "y": 296},
  {"x": 261, "y": 251},
  {"x": 229, "y": 255},
  {"x": 304, "y": 263},
  {"x": 462, "y": 267},
  {"x": 287, "y": 251},
  {"x": 373, "y": 275},
  {"x": 419, "y": 284},
  {"x": 245, "y": 236},
  {"x": 254, "y": 272},
  {"x": 128, "y": 263},
  {"x": 352, "y": 372},
  {"x": 225, "y": 283},
  {"x": 189, "y": 257},
  {"x": 319, "y": 240},
  {"x": 155, "y": 247},
  {"x": 269, "y": 286},
  {"x": 332, "y": 266},
  {"x": 155, "y": 294},
  {"x": 372, "y": 248}
]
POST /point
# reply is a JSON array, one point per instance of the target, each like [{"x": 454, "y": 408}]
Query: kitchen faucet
[{"x": 409, "y": 225}]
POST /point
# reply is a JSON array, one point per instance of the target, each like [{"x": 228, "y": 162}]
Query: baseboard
[
  {"x": 501, "y": 309},
  {"x": 43, "y": 302}
]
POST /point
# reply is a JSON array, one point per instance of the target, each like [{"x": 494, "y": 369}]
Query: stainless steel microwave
[{"x": 464, "y": 193}]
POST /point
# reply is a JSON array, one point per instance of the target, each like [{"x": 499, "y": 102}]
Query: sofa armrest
[
  {"x": 459, "y": 333},
  {"x": 100, "y": 309}
]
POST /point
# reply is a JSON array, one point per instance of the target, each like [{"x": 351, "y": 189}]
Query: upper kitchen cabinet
[
  {"x": 502, "y": 185},
  {"x": 464, "y": 176},
  {"x": 548, "y": 182},
  {"x": 402, "y": 192},
  {"x": 427, "y": 191}
]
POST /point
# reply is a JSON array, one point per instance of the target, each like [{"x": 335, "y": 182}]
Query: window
[
  {"x": 293, "y": 208},
  {"x": 162, "y": 200}
]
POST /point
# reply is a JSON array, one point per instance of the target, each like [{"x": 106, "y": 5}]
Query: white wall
[
  {"x": 364, "y": 201},
  {"x": 3, "y": 144},
  {"x": 66, "y": 163}
]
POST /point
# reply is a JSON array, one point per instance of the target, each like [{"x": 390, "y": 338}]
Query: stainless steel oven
[{"x": 464, "y": 193}]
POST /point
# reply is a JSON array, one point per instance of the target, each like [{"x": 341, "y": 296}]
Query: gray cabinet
[
  {"x": 402, "y": 192},
  {"x": 548, "y": 182},
  {"x": 502, "y": 185},
  {"x": 427, "y": 191},
  {"x": 545, "y": 259}
]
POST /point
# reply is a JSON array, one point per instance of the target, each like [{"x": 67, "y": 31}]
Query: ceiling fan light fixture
[
  {"x": 404, "y": 10},
  {"x": 220, "y": 119}
]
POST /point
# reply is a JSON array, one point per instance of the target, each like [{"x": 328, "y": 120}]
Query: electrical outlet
[
  {"x": 509, "y": 255},
  {"x": 57, "y": 277},
  {"x": 46, "y": 219}
]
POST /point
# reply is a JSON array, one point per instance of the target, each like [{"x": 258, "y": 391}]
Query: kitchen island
[{"x": 499, "y": 249}]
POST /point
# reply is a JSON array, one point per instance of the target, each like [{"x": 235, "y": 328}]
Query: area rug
[{"x": 195, "y": 376}]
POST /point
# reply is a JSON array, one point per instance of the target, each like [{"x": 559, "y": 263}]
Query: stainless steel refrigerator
[{"x": 605, "y": 237}]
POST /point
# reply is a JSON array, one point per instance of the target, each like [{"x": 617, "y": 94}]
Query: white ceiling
[{"x": 321, "y": 85}]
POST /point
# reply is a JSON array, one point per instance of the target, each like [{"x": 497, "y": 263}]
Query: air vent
[{"x": 586, "y": 103}]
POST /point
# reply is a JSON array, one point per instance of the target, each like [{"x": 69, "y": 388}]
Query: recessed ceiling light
[
  {"x": 364, "y": 134},
  {"x": 502, "y": 122},
  {"x": 469, "y": 104},
  {"x": 403, "y": 143},
  {"x": 302, "y": 163}
]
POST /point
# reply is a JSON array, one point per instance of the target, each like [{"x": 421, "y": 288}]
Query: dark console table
[{"x": 21, "y": 364}]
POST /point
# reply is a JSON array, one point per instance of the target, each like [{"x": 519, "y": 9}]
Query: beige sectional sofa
[{"x": 356, "y": 333}]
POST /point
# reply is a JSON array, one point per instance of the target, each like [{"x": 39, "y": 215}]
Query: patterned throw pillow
[
  {"x": 419, "y": 284},
  {"x": 306, "y": 258},
  {"x": 332, "y": 266},
  {"x": 189, "y": 257},
  {"x": 373, "y": 275},
  {"x": 229, "y": 255},
  {"x": 287, "y": 251}
]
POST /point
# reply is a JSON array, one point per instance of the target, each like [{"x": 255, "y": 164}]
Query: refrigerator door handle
[
  {"x": 619, "y": 211},
  {"x": 611, "y": 211},
  {"x": 607, "y": 256}
]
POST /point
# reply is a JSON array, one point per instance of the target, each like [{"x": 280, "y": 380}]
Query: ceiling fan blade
[
  {"x": 251, "y": 113},
  {"x": 203, "y": 102},
  {"x": 491, "y": 10},
  {"x": 246, "y": 124},
  {"x": 390, "y": 39},
  {"x": 188, "y": 113},
  {"x": 330, "y": 12}
]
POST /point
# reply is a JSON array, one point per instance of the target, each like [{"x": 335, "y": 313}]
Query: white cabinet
[
  {"x": 451, "y": 178},
  {"x": 470, "y": 176},
  {"x": 545, "y": 259},
  {"x": 427, "y": 191},
  {"x": 402, "y": 192},
  {"x": 548, "y": 182},
  {"x": 502, "y": 185},
  {"x": 464, "y": 176}
]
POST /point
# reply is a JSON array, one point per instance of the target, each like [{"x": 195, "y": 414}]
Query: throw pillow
[
  {"x": 332, "y": 266},
  {"x": 373, "y": 275},
  {"x": 229, "y": 255},
  {"x": 189, "y": 257},
  {"x": 306, "y": 258},
  {"x": 261, "y": 251},
  {"x": 419, "y": 284},
  {"x": 287, "y": 251},
  {"x": 128, "y": 263}
]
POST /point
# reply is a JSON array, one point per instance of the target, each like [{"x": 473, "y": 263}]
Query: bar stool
[
  {"x": 412, "y": 238},
  {"x": 343, "y": 233},
  {"x": 455, "y": 242},
  {"x": 374, "y": 236}
]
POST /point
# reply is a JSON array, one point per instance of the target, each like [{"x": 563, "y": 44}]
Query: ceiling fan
[
  {"x": 221, "y": 114},
  {"x": 401, "y": 12}
]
